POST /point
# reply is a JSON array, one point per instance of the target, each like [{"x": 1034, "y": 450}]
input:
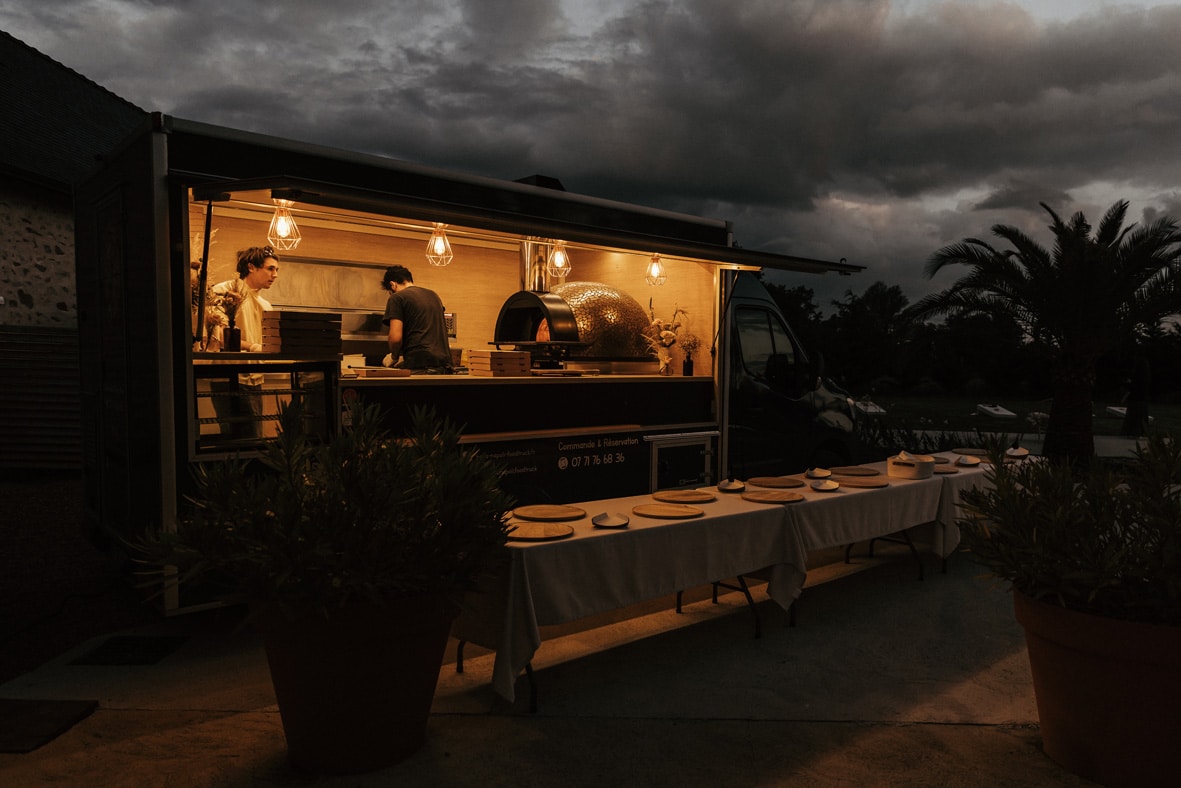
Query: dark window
[{"x": 761, "y": 335}]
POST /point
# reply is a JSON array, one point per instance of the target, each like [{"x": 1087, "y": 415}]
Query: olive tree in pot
[
  {"x": 354, "y": 554},
  {"x": 1094, "y": 561}
]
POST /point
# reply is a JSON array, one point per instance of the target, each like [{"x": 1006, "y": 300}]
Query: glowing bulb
[
  {"x": 438, "y": 248},
  {"x": 283, "y": 232},
  {"x": 656, "y": 275},
  {"x": 558, "y": 263}
]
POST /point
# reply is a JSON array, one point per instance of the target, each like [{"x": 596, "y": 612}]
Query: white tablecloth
[
  {"x": 598, "y": 570},
  {"x": 944, "y": 535},
  {"x": 855, "y": 514}
]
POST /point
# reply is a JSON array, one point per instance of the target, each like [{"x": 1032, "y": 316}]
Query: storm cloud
[{"x": 871, "y": 131}]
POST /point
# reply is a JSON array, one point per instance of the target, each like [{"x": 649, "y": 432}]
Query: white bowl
[
  {"x": 818, "y": 473},
  {"x": 825, "y": 485}
]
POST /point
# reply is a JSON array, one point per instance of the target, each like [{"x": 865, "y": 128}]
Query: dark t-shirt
[{"x": 424, "y": 330}]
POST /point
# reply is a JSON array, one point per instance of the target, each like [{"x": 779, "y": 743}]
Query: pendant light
[
  {"x": 283, "y": 233},
  {"x": 656, "y": 275},
  {"x": 558, "y": 262},
  {"x": 438, "y": 248}
]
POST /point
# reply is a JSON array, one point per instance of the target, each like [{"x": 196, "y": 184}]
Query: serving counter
[{"x": 565, "y": 438}]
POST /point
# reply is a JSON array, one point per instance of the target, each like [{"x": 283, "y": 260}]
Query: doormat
[
  {"x": 26, "y": 725},
  {"x": 131, "y": 650}
]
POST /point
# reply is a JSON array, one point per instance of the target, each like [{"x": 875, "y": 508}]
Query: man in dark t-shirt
[{"x": 418, "y": 330}]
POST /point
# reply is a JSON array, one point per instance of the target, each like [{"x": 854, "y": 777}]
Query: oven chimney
[{"x": 533, "y": 276}]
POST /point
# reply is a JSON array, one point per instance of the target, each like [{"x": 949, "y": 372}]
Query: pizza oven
[{"x": 530, "y": 317}]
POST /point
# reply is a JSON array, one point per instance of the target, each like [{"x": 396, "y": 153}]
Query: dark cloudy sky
[{"x": 871, "y": 130}]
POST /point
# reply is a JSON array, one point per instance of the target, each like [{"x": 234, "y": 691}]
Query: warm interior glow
[
  {"x": 656, "y": 275},
  {"x": 438, "y": 248},
  {"x": 558, "y": 262},
  {"x": 283, "y": 233}
]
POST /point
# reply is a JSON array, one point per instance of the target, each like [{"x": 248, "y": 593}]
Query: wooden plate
[
  {"x": 667, "y": 511},
  {"x": 855, "y": 470},
  {"x": 772, "y": 496},
  {"x": 946, "y": 469},
  {"x": 861, "y": 481},
  {"x": 539, "y": 532},
  {"x": 971, "y": 452},
  {"x": 941, "y": 460},
  {"x": 777, "y": 482},
  {"x": 549, "y": 512},
  {"x": 684, "y": 496}
]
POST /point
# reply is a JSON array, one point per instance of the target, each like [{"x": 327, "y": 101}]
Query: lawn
[{"x": 959, "y": 414}]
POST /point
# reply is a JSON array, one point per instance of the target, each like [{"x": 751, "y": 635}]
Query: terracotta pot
[
  {"x": 355, "y": 689},
  {"x": 1108, "y": 693}
]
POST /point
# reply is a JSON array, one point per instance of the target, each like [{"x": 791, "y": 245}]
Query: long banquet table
[{"x": 597, "y": 570}]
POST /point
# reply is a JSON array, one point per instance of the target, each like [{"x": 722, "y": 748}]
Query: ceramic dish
[
  {"x": 731, "y": 485},
  {"x": 967, "y": 460},
  {"x": 1017, "y": 453},
  {"x": 610, "y": 520},
  {"x": 825, "y": 485},
  {"x": 818, "y": 473}
]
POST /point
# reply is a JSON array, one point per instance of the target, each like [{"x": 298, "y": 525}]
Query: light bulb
[
  {"x": 558, "y": 263},
  {"x": 438, "y": 248},
  {"x": 283, "y": 232},
  {"x": 656, "y": 275}
]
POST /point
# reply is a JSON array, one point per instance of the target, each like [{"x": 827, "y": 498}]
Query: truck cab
[{"x": 782, "y": 414}]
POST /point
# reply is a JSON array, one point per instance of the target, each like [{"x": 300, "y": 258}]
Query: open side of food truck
[{"x": 563, "y": 372}]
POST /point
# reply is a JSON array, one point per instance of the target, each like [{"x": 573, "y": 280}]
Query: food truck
[{"x": 555, "y": 307}]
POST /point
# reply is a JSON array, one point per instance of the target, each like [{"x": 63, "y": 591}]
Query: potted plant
[
  {"x": 1094, "y": 561},
  {"x": 354, "y": 553}
]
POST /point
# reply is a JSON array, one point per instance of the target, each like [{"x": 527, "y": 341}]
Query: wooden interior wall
[{"x": 474, "y": 286}]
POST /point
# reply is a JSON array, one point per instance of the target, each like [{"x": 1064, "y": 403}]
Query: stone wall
[{"x": 37, "y": 279}]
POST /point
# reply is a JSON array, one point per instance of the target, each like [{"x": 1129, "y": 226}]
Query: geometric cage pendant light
[
  {"x": 283, "y": 232},
  {"x": 557, "y": 263},
  {"x": 655, "y": 273},
  {"x": 438, "y": 248}
]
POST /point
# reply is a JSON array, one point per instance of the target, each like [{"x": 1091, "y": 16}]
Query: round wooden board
[
  {"x": 941, "y": 460},
  {"x": 549, "y": 512},
  {"x": 971, "y": 452},
  {"x": 946, "y": 469},
  {"x": 539, "y": 532},
  {"x": 861, "y": 481},
  {"x": 855, "y": 470},
  {"x": 777, "y": 482},
  {"x": 772, "y": 496},
  {"x": 684, "y": 496},
  {"x": 667, "y": 511}
]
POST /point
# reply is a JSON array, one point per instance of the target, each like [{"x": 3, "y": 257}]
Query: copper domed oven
[{"x": 578, "y": 320}]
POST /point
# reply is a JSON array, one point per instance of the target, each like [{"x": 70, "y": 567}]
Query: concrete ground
[{"x": 885, "y": 680}]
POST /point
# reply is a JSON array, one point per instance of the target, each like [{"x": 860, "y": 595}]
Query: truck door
[{"x": 782, "y": 416}]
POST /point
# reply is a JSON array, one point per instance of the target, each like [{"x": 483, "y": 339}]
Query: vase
[
  {"x": 1108, "y": 693},
  {"x": 687, "y": 367},
  {"x": 232, "y": 340},
  {"x": 355, "y": 686}
]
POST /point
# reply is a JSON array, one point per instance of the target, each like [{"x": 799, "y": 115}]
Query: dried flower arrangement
[{"x": 662, "y": 335}]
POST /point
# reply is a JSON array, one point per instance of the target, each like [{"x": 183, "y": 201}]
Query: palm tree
[{"x": 1079, "y": 301}]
